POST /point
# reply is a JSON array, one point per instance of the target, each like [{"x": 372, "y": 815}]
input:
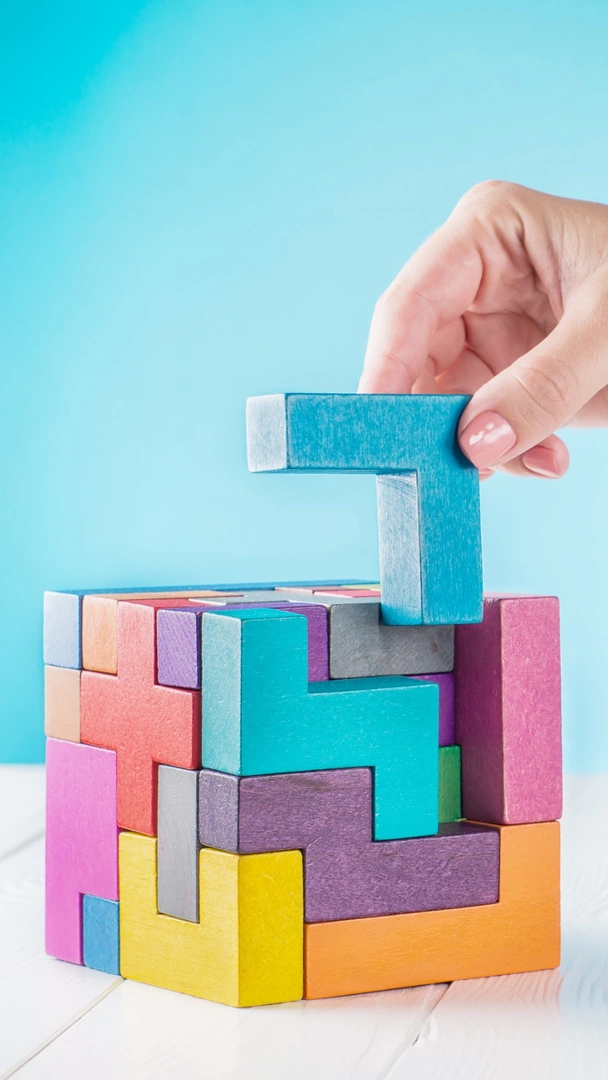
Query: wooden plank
[
  {"x": 428, "y": 493},
  {"x": 141, "y": 1031},
  {"x": 178, "y": 640},
  {"x": 39, "y": 996},
  {"x": 81, "y": 839},
  {"x": 143, "y": 722},
  {"x": 22, "y": 806},
  {"x": 62, "y": 703},
  {"x": 508, "y": 711},
  {"x": 100, "y": 934},
  {"x": 178, "y": 845},
  {"x": 519, "y": 933},
  {"x": 246, "y": 948},
  {"x": 361, "y": 645},
  {"x": 447, "y": 710},
  {"x": 348, "y": 875},
  {"x": 261, "y": 716}
]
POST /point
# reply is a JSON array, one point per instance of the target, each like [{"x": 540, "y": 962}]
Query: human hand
[{"x": 507, "y": 301}]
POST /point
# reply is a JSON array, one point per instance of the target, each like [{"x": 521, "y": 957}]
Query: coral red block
[{"x": 144, "y": 723}]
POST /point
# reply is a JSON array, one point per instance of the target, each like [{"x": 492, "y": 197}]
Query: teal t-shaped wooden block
[
  {"x": 260, "y": 715},
  {"x": 428, "y": 492}
]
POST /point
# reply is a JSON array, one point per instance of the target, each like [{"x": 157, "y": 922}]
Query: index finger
[{"x": 434, "y": 287}]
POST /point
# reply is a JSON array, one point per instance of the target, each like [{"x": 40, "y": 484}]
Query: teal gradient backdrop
[{"x": 202, "y": 201}]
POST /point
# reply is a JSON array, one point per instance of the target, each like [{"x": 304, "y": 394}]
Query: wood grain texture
[
  {"x": 262, "y": 716},
  {"x": 450, "y": 783},
  {"x": 428, "y": 493},
  {"x": 62, "y": 703},
  {"x": 144, "y": 723},
  {"x": 61, "y": 629},
  {"x": 99, "y": 634},
  {"x": 178, "y": 846},
  {"x": 247, "y": 947},
  {"x": 100, "y": 934},
  {"x": 178, "y": 641},
  {"x": 81, "y": 839},
  {"x": 519, "y": 933},
  {"x": 508, "y": 711},
  {"x": 361, "y": 646},
  {"x": 447, "y": 707},
  {"x": 347, "y": 875}
]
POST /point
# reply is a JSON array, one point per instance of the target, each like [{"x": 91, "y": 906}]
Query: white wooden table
[{"x": 59, "y": 1020}]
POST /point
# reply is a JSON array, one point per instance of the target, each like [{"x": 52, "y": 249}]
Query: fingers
[
  {"x": 434, "y": 288},
  {"x": 548, "y": 461},
  {"x": 524, "y": 404}
]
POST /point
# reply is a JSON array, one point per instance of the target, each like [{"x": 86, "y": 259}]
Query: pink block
[
  {"x": 81, "y": 839},
  {"x": 508, "y": 711}
]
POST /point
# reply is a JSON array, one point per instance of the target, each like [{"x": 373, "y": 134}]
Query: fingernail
[
  {"x": 541, "y": 461},
  {"x": 487, "y": 438}
]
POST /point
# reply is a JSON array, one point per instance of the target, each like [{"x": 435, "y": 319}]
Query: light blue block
[
  {"x": 428, "y": 492},
  {"x": 101, "y": 934},
  {"x": 260, "y": 715},
  {"x": 62, "y": 629}
]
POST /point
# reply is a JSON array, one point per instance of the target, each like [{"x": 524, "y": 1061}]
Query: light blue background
[{"x": 202, "y": 201}]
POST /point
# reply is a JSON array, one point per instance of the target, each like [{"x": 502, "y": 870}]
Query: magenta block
[
  {"x": 81, "y": 839},
  {"x": 508, "y": 711},
  {"x": 178, "y": 640},
  {"x": 347, "y": 875},
  {"x": 447, "y": 717}
]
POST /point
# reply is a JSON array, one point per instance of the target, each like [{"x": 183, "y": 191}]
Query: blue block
[
  {"x": 260, "y": 715},
  {"x": 62, "y": 629},
  {"x": 100, "y": 934},
  {"x": 428, "y": 492}
]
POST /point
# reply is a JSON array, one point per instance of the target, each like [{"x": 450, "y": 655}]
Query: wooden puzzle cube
[{"x": 258, "y": 793}]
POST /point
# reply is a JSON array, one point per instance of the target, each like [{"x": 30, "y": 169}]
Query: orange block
[
  {"x": 62, "y": 703},
  {"x": 519, "y": 933},
  {"x": 100, "y": 620}
]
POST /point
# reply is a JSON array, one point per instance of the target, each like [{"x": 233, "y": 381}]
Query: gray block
[
  {"x": 62, "y": 629},
  {"x": 362, "y": 646},
  {"x": 178, "y": 846}
]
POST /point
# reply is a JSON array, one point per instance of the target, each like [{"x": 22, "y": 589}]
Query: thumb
[{"x": 545, "y": 388}]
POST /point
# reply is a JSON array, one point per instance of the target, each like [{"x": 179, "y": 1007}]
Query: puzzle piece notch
[
  {"x": 81, "y": 839},
  {"x": 261, "y": 716},
  {"x": 428, "y": 492},
  {"x": 144, "y": 723},
  {"x": 246, "y": 949},
  {"x": 348, "y": 875},
  {"x": 361, "y": 645},
  {"x": 508, "y": 711}
]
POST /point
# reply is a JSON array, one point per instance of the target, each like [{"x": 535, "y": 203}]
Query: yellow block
[{"x": 247, "y": 948}]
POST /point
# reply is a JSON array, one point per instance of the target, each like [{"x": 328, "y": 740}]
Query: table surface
[{"x": 61, "y": 1020}]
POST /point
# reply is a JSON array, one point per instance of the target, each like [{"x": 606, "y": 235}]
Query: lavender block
[
  {"x": 179, "y": 631},
  {"x": 347, "y": 875},
  {"x": 447, "y": 712}
]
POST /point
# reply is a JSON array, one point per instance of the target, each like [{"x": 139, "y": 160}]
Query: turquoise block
[
  {"x": 260, "y": 715},
  {"x": 428, "y": 493},
  {"x": 100, "y": 934}
]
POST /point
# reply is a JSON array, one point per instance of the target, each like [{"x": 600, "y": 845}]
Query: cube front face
[{"x": 286, "y": 833}]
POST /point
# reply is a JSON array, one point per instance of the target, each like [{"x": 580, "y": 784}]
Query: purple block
[
  {"x": 178, "y": 640},
  {"x": 347, "y": 874},
  {"x": 447, "y": 711}
]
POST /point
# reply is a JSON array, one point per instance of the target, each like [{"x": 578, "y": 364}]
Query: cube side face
[
  {"x": 267, "y": 433},
  {"x": 61, "y": 629}
]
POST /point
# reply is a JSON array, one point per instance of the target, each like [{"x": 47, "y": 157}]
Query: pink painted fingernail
[
  {"x": 487, "y": 438},
  {"x": 542, "y": 462}
]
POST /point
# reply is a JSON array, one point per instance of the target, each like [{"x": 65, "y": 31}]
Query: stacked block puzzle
[{"x": 258, "y": 793}]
